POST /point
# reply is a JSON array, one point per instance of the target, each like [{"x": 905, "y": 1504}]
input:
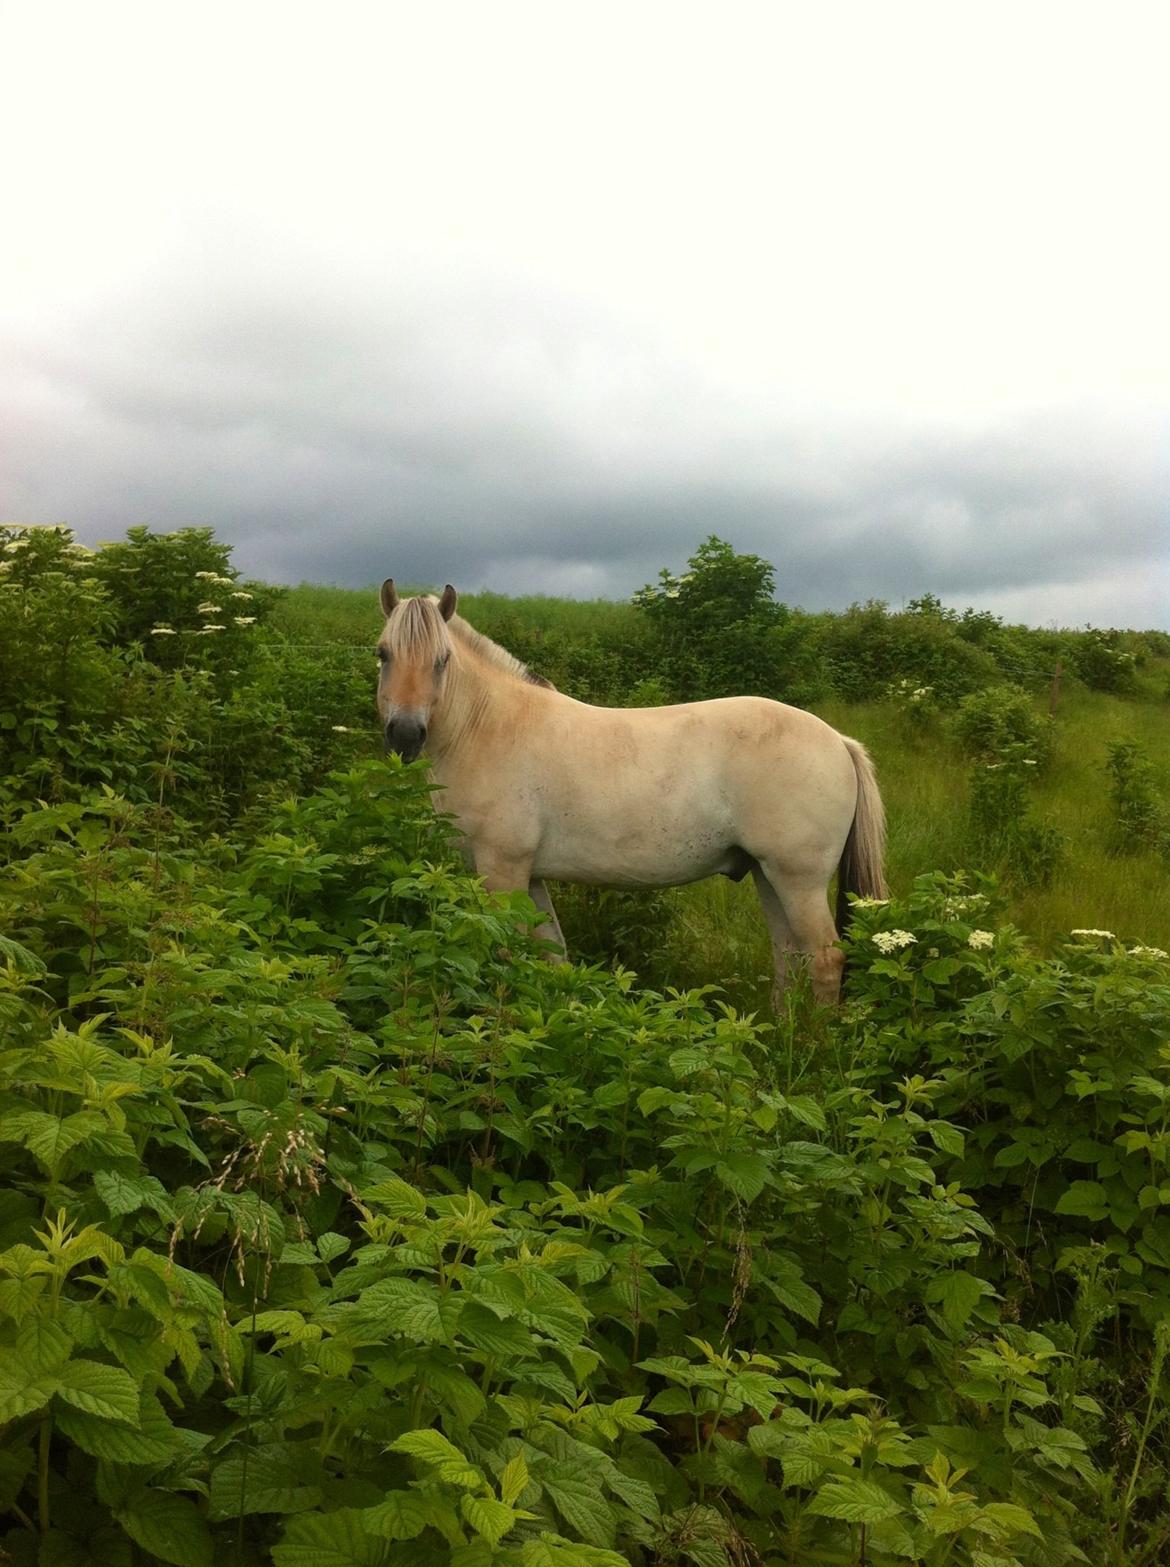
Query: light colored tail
[{"x": 862, "y": 868}]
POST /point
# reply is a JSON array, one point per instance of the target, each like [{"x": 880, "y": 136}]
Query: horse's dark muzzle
[{"x": 405, "y": 736}]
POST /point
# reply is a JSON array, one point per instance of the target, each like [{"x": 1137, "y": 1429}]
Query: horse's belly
[{"x": 638, "y": 857}]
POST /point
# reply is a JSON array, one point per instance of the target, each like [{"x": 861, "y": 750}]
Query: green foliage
[
  {"x": 337, "y": 1226},
  {"x": 720, "y": 632},
  {"x": 1005, "y": 834},
  {"x": 1140, "y": 817},
  {"x": 1102, "y": 660},
  {"x": 178, "y": 597},
  {"x": 990, "y": 723}
]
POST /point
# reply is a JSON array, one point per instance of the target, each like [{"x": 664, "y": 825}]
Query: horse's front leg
[
  {"x": 510, "y": 873},
  {"x": 550, "y": 927}
]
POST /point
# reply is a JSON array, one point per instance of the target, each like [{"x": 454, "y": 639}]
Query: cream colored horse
[{"x": 543, "y": 786}]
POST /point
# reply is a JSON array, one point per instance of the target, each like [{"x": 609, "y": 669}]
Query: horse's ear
[
  {"x": 448, "y": 602},
  {"x": 389, "y": 597}
]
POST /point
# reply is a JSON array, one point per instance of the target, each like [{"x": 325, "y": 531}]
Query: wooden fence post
[{"x": 1054, "y": 692}]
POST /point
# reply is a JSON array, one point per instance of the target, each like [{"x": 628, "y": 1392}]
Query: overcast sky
[{"x": 535, "y": 296}]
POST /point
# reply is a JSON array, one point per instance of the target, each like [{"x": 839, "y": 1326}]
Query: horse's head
[{"x": 413, "y": 651}]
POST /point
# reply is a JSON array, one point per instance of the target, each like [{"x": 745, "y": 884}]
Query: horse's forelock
[{"x": 417, "y": 630}]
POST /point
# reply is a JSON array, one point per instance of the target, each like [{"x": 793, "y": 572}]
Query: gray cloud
[{"x": 504, "y": 438}]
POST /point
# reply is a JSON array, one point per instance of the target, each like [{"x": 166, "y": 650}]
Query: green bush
[
  {"x": 990, "y": 723},
  {"x": 1140, "y": 817},
  {"x": 1005, "y": 835}
]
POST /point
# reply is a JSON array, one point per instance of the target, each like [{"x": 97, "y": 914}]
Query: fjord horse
[{"x": 543, "y": 786}]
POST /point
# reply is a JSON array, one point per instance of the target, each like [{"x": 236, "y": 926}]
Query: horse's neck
[{"x": 477, "y": 701}]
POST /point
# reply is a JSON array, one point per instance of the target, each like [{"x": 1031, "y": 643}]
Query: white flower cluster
[
  {"x": 891, "y": 940},
  {"x": 980, "y": 940},
  {"x": 244, "y": 620},
  {"x": 162, "y": 631},
  {"x": 907, "y": 691},
  {"x": 870, "y": 903},
  {"x": 973, "y": 903},
  {"x": 208, "y": 608},
  {"x": 240, "y": 594},
  {"x": 213, "y": 576},
  {"x": 1106, "y": 935},
  {"x": 1147, "y": 952}
]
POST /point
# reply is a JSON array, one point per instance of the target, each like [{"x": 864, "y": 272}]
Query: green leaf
[
  {"x": 403, "y": 1515},
  {"x": 154, "y": 1441},
  {"x": 398, "y": 1198},
  {"x": 854, "y": 1501},
  {"x": 1010, "y": 1519},
  {"x": 553, "y": 1551},
  {"x": 651, "y": 1099},
  {"x": 947, "y": 1138},
  {"x": 169, "y": 1527},
  {"x": 107, "y": 1392},
  {"x": 958, "y": 1293},
  {"x": 432, "y": 1447},
  {"x": 21, "y": 1394},
  {"x": 743, "y": 1173},
  {"x": 798, "y": 1296},
  {"x": 1084, "y": 1199},
  {"x": 124, "y": 1194},
  {"x": 334, "y": 1539},
  {"x": 489, "y": 1518},
  {"x": 49, "y": 1137},
  {"x": 330, "y": 1246},
  {"x": 580, "y": 1503},
  {"x": 265, "y": 1479},
  {"x": 513, "y": 1480},
  {"x": 42, "y": 1347}
]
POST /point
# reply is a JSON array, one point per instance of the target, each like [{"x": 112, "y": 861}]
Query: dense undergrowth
[{"x": 337, "y": 1226}]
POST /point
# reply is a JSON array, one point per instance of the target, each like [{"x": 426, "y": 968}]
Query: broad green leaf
[
  {"x": 330, "y": 1246},
  {"x": 958, "y": 1293},
  {"x": 334, "y": 1539},
  {"x": 637, "y": 1494},
  {"x": 42, "y": 1347},
  {"x": 506, "y": 1340},
  {"x": 432, "y": 1447},
  {"x": 265, "y": 1479},
  {"x": 398, "y": 1198},
  {"x": 1084, "y": 1199},
  {"x": 153, "y": 1441},
  {"x": 553, "y": 1551},
  {"x": 489, "y": 1518},
  {"x": 580, "y": 1503},
  {"x": 798, "y": 1296},
  {"x": 403, "y": 1515},
  {"x": 169, "y": 1527},
  {"x": 49, "y": 1137},
  {"x": 21, "y": 1394},
  {"x": 1010, "y": 1519},
  {"x": 104, "y": 1391},
  {"x": 743, "y": 1173},
  {"x": 124, "y": 1194},
  {"x": 854, "y": 1500}
]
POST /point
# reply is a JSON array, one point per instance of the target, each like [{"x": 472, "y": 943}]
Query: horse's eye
[
  {"x": 441, "y": 662},
  {"x": 383, "y": 656}
]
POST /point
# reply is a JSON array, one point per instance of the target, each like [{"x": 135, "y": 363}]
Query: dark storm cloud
[{"x": 514, "y": 442}]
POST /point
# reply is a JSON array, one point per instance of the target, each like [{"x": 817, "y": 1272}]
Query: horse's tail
[{"x": 861, "y": 870}]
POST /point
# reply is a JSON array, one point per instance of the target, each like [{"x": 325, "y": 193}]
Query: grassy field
[{"x": 714, "y": 932}]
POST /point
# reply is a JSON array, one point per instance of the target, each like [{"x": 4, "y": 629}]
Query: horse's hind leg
[
  {"x": 783, "y": 946},
  {"x": 805, "y": 906}
]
